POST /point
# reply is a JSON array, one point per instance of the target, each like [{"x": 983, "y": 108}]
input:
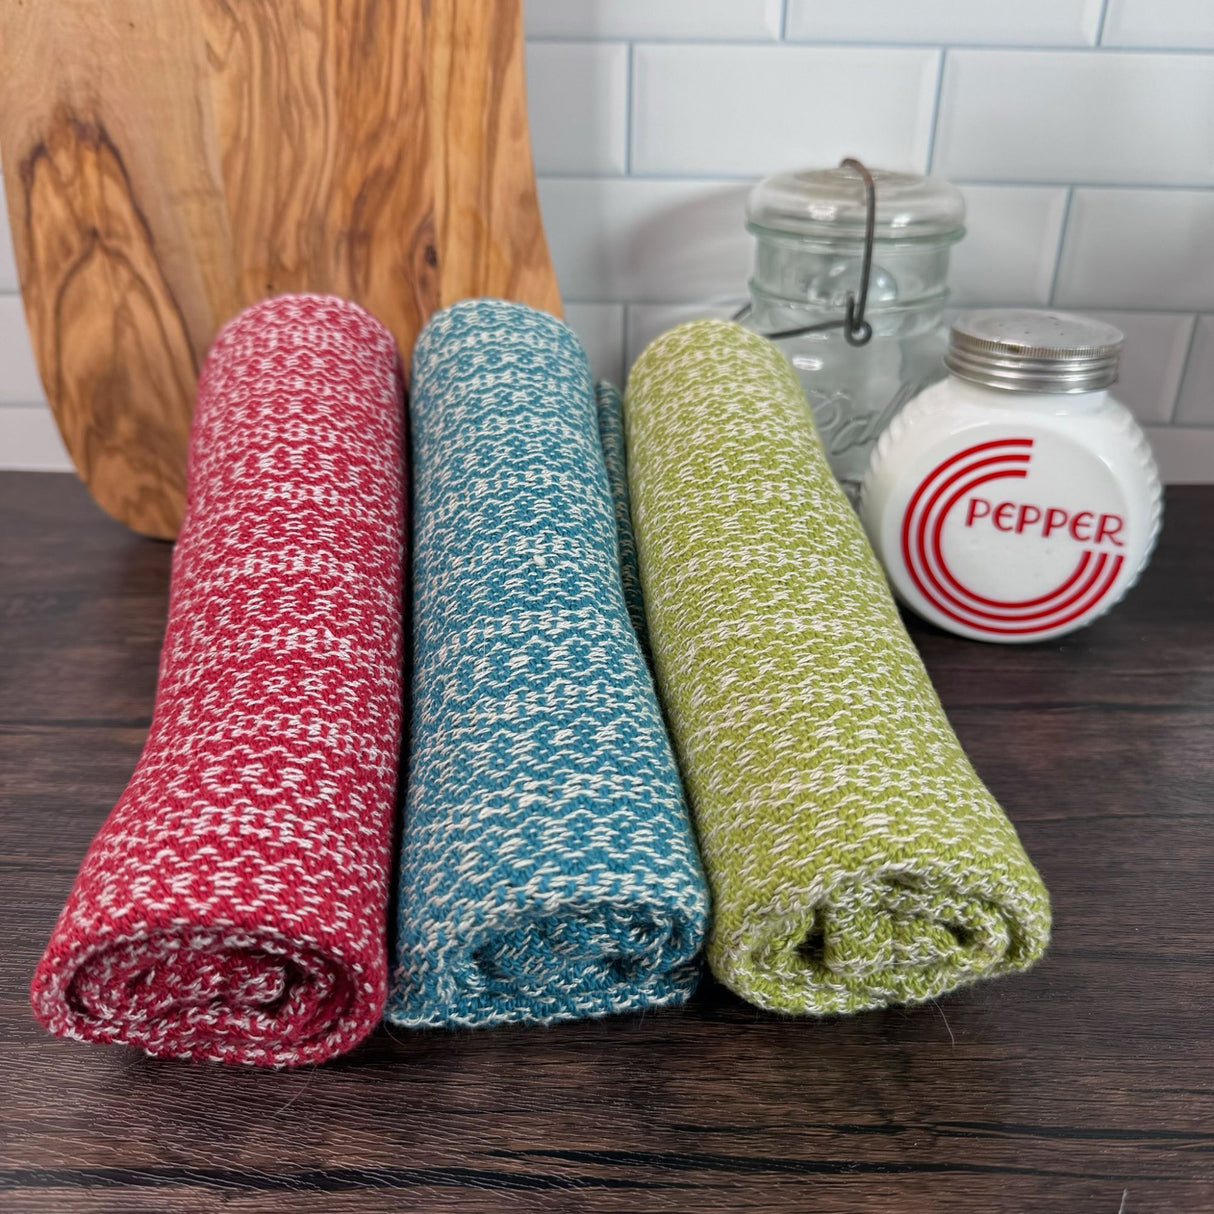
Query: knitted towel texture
[
  {"x": 233, "y": 906},
  {"x": 548, "y": 870},
  {"x": 854, "y": 856}
]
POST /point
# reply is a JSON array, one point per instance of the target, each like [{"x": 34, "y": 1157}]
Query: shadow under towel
[
  {"x": 854, "y": 855},
  {"x": 548, "y": 869},
  {"x": 234, "y": 904}
]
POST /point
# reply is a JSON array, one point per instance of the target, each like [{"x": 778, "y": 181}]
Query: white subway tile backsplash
[
  {"x": 8, "y": 264},
  {"x": 1152, "y": 360},
  {"x": 1027, "y": 22},
  {"x": 1196, "y": 404},
  {"x": 647, "y": 321},
  {"x": 577, "y": 102},
  {"x": 29, "y": 440},
  {"x": 702, "y": 20},
  {"x": 601, "y": 328},
  {"x": 751, "y": 110},
  {"x": 646, "y": 241},
  {"x": 1138, "y": 249},
  {"x": 1185, "y": 24},
  {"x": 650, "y": 119},
  {"x": 1010, "y": 246},
  {"x": 1185, "y": 455},
  {"x": 19, "y": 382},
  {"x": 1060, "y": 116}
]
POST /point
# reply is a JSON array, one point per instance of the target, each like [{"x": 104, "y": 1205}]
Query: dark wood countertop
[{"x": 1086, "y": 1085}]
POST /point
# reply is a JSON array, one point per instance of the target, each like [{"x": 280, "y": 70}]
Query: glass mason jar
[{"x": 809, "y": 231}]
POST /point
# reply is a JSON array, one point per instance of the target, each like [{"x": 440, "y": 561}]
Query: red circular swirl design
[{"x": 922, "y": 529}]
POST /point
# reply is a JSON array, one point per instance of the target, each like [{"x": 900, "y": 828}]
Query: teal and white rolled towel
[{"x": 548, "y": 869}]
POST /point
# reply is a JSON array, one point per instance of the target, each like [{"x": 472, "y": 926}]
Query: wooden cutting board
[{"x": 169, "y": 162}]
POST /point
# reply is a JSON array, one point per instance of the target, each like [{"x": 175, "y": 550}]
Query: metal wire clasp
[{"x": 856, "y": 330}]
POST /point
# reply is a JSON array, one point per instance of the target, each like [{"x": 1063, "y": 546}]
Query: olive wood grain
[
  {"x": 119, "y": 226},
  {"x": 490, "y": 235},
  {"x": 167, "y": 164},
  {"x": 320, "y": 112}
]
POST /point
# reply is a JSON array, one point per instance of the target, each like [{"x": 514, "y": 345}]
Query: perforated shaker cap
[{"x": 1026, "y": 350}]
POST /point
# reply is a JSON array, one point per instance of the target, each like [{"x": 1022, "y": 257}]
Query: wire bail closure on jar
[{"x": 856, "y": 330}]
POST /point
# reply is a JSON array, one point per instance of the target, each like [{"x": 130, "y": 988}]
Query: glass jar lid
[
  {"x": 830, "y": 203},
  {"x": 1027, "y": 350}
]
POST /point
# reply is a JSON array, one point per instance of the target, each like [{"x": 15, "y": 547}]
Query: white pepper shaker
[{"x": 1015, "y": 500}]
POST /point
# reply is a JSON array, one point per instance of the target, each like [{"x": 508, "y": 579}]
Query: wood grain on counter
[{"x": 1085, "y": 1085}]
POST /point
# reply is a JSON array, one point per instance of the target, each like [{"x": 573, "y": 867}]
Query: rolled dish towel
[
  {"x": 233, "y": 906},
  {"x": 854, "y": 856},
  {"x": 548, "y": 869},
  {"x": 611, "y": 434}
]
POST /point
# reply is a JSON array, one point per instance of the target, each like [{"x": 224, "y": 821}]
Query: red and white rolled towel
[{"x": 233, "y": 905}]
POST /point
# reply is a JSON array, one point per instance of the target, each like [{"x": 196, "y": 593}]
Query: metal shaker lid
[{"x": 1025, "y": 350}]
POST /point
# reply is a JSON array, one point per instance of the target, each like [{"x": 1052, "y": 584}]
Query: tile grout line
[
  {"x": 1012, "y": 183},
  {"x": 1061, "y": 48},
  {"x": 941, "y": 65},
  {"x": 1185, "y": 368},
  {"x": 629, "y": 81},
  {"x": 735, "y": 299},
  {"x": 1062, "y": 234}
]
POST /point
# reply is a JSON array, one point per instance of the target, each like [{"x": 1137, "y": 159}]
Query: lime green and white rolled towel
[{"x": 855, "y": 857}]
